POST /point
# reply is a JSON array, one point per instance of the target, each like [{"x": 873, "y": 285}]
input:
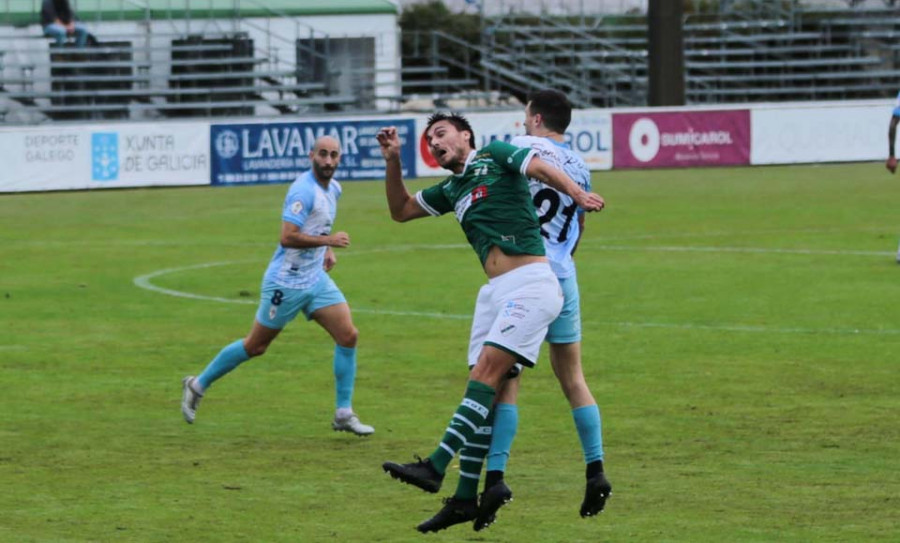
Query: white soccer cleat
[
  {"x": 352, "y": 424},
  {"x": 190, "y": 399}
]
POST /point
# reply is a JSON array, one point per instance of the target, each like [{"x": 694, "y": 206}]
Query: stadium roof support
[{"x": 666, "y": 53}]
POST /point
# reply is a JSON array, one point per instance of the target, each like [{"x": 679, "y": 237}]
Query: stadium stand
[
  {"x": 238, "y": 58},
  {"x": 738, "y": 51},
  {"x": 149, "y": 61}
]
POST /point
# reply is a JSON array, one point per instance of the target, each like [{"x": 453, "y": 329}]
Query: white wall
[
  {"x": 820, "y": 132},
  {"x": 86, "y": 156},
  {"x": 383, "y": 27}
]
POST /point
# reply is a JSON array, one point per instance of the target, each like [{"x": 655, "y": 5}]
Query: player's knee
[
  {"x": 578, "y": 393},
  {"x": 491, "y": 370},
  {"x": 347, "y": 338},
  {"x": 570, "y": 387},
  {"x": 254, "y": 350}
]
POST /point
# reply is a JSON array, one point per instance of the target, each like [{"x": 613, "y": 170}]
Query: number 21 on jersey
[{"x": 547, "y": 213}]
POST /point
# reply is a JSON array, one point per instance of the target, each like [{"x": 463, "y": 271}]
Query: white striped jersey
[
  {"x": 313, "y": 209},
  {"x": 557, "y": 212}
]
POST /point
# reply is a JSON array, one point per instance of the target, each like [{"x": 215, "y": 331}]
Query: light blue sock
[
  {"x": 587, "y": 422},
  {"x": 344, "y": 375},
  {"x": 228, "y": 358},
  {"x": 506, "y": 423}
]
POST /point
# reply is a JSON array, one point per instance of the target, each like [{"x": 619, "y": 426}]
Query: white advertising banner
[
  {"x": 589, "y": 134},
  {"x": 104, "y": 156},
  {"x": 823, "y": 132}
]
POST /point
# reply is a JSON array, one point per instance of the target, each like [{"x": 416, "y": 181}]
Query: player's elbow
[
  {"x": 402, "y": 213},
  {"x": 399, "y": 217}
]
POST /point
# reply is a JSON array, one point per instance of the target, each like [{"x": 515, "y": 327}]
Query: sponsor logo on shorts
[
  {"x": 515, "y": 310},
  {"x": 507, "y": 330},
  {"x": 273, "y": 311}
]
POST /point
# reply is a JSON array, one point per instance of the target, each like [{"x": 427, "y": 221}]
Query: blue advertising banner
[{"x": 279, "y": 152}]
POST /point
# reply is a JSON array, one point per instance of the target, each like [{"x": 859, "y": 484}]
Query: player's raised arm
[
  {"x": 544, "y": 172},
  {"x": 403, "y": 206}
]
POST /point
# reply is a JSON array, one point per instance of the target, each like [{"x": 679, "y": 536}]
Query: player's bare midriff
[{"x": 498, "y": 262}]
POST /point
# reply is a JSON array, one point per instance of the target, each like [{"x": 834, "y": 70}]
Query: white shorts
[{"x": 513, "y": 311}]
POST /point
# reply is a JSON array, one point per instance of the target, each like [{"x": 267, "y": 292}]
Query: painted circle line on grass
[{"x": 144, "y": 282}]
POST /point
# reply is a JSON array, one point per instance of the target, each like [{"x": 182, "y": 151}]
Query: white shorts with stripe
[{"x": 513, "y": 311}]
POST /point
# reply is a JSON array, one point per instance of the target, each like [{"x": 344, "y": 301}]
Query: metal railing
[
  {"x": 308, "y": 49},
  {"x": 534, "y": 48}
]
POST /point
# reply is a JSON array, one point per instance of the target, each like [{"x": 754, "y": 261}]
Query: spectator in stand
[{"x": 59, "y": 22}]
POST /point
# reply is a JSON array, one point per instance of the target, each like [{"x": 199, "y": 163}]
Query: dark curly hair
[{"x": 457, "y": 120}]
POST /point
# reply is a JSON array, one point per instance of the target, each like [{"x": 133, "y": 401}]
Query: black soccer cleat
[
  {"x": 596, "y": 492},
  {"x": 421, "y": 474},
  {"x": 492, "y": 500},
  {"x": 455, "y": 511}
]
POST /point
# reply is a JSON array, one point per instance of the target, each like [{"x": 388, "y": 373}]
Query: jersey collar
[
  {"x": 560, "y": 144},
  {"x": 466, "y": 165}
]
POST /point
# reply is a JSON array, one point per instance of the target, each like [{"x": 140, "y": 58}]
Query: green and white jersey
[{"x": 491, "y": 200}]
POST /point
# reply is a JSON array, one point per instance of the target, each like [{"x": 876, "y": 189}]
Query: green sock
[
  {"x": 470, "y": 415},
  {"x": 471, "y": 459}
]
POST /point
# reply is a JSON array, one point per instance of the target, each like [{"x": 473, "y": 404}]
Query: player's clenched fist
[
  {"x": 340, "y": 239},
  {"x": 891, "y": 164},
  {"x": 389, "y": 141}
]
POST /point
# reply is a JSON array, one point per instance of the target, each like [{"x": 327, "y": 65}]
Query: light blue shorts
[
  {"x": 567, "y": 327},
  {"x": 279, "y": 305}
]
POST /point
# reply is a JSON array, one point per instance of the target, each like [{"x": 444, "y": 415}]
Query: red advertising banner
[{"x": 681, "y": 139}]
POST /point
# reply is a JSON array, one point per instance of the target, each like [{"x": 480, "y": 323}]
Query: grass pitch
[{"x": 741, "y": 335}]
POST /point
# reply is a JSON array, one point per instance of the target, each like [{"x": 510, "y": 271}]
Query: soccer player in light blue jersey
[
  {"x": 297, "y": 280},
  {"x": 891, "y": 163},
  {"x": 547, "y": 116}
]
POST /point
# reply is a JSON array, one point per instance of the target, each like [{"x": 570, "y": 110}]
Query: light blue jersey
[
  {"x": 897, "y": 106},
  {"x": 313, "y": 209},
  {"x": 557, "y": 212}
]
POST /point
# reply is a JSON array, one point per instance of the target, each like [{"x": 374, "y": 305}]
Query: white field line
[
  {"x": 144, "y": 281},
  {"x": 743, "y": 234},
  {"x": 748, "y": 250}
]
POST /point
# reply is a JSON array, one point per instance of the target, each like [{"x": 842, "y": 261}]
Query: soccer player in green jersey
[{"x": 489, "y": 194}]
